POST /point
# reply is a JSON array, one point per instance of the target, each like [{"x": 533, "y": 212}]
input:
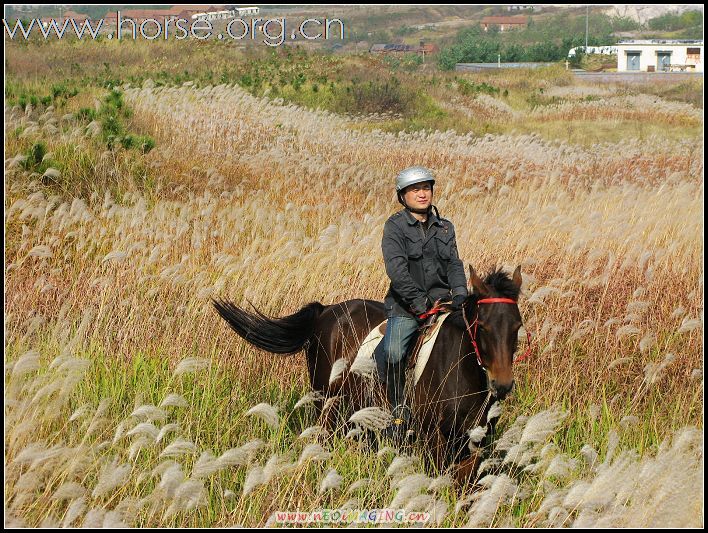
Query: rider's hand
[
  {"x": 420, "y": 307},
  {"x": 420, "y": 316},
  {"x": 457, "y": 302}
]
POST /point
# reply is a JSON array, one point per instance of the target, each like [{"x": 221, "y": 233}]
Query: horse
[{"x": 469, "y": 366}]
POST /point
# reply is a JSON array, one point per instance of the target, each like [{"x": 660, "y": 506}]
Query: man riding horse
[
  {"x": 470, "y": 365},
  {"x": 421, "y": 260}
]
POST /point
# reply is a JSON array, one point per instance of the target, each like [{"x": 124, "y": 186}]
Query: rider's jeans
[{"x": 400, "y": 332}]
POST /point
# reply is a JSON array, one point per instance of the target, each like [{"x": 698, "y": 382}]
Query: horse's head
[{"x": 495, "y": 325}]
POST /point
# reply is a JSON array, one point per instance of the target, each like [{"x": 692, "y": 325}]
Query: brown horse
[{"x": 459, "y": 384}]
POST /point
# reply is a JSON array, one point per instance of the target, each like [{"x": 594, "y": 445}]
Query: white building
[
  {"x": 246, "y": 11},
  {"x": 659, "y": 55},
  {"x": 213, "y": 15},
  {"x": 223, "y": 14}
]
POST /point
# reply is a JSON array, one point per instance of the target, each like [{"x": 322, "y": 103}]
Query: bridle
[{"x": 473, "y": 335}]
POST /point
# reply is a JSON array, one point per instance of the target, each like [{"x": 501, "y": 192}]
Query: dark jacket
[{"x": 423, "y": 264}]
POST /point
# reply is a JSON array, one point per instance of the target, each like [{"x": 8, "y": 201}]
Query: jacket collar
[{"x": 412, "y": 221}]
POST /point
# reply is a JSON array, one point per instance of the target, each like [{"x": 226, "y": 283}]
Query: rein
[{"x": 473, "y": 335}]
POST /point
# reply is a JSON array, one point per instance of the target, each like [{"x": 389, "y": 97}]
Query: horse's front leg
[
  {"x": 466, "y": 470},
  {"x": 435, "y": 448}
]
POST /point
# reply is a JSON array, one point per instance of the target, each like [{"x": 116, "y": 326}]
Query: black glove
[{"x": 457, "y": 302}]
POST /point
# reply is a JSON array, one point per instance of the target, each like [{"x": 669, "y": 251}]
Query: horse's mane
[
  {"x": 500, "y": 282},
  {"x": 501, "y": 285}
]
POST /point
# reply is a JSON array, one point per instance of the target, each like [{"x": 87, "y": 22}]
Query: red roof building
[
  {"x": 504, "y": 23},
  {"x": 78, "y": 19},
  {"x": 140, "y": 15}
]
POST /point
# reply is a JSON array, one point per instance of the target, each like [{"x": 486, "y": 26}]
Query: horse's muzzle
[{"x": 499, "y": 390}]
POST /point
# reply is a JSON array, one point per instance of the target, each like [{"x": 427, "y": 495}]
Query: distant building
[
  {"x": 140, "y": 15},
  {"x": 78, "y": 18},
  {"x": 226, "y": 14},
  {"x": 187, "y": 11},
  {"x": 504, "y": 23},
  {"x": 213, "y": 15},
  {"x": 519, "y": 8},
  {"x": 247, "y": 11},
  {"x": 660, "y": 55}
]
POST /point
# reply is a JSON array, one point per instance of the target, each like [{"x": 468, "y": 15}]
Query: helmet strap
[{"x": 419, "y": 211}]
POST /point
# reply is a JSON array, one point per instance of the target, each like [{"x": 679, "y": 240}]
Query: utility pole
[{"x": 587, "y": 14}]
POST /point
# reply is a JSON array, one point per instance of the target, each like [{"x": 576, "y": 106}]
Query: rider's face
[{"x": 419, "y": 195}]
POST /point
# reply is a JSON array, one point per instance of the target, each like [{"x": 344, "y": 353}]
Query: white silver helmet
[{"x": 413, "y": 175}]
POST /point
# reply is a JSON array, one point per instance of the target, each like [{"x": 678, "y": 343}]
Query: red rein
[
  {"x": 474, "y": 335},
  {"x": 437, "y": 308}
]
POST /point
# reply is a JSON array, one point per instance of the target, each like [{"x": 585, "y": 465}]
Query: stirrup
[
  {"x": 401, "y": 414},
  {"x": 399, "y": 430}
]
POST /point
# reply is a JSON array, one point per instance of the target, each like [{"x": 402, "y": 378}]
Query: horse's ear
[
  {"x": 477, "y": 283},
  {"x": 516, "y": 278}
]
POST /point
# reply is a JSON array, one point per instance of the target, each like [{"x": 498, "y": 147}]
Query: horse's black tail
[{"x": 278, "y": 335}]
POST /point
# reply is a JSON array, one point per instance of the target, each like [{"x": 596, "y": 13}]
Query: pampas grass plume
[
  {"x": 495, "y": 411},
  {"x": 364, "y": 366},
  {"x": 400, "y": 464},
  {"x": 254, "y": 477},
  {"x": 164, "y": 430},
  {"x": 191, "y": 364},
  {"x": 112, "y": 475},
  {"x": 145, "y": 428},
  {"x": 267, "y": 413},
  {"x": 74, "y": 511},
  {"x": 312, "y": 431},
  {"x": 313, "y": 452},
  {"x": 309, "y": 399},
  {"x": 178, "y": 447},
  {"x": 26, "y": 364},
  {"x": 242, "y": 455},
  {"x": 149, "y": 412},
  {"x": 174, "y": 400},
  {"x": 338, "y": 368},
  {"x": 373, "y": 418},
  {"x": 332, "y": 481},
  {"x": 68, "y": 491},
  {"x": 477, "y": 434},
  {"x": 359, "y": 484}
]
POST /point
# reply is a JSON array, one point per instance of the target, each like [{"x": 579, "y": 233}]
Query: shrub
[
  {"x": 35, "y": 154},
  {"x": 86, "y": 113},
  {"x": 470, "y": 88},
  {"x": 377, "y": 97}
]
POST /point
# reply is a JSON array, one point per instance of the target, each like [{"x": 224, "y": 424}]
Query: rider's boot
[
  {"x": 395, "y": 387},
  {"x": 381, "y": 364}
]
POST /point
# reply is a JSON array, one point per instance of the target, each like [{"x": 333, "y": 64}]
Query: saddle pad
[{"x": 366, "y": 351}]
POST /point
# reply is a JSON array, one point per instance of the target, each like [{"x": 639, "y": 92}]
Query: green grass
[{"x": 214, "y": 420}]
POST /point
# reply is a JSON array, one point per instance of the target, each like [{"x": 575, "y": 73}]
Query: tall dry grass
[{"x": 281, "y": 206}]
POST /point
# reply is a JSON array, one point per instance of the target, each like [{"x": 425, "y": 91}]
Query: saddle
[
  {"x": 428, "y": 331},
  {"x": 420, "y": 350}
]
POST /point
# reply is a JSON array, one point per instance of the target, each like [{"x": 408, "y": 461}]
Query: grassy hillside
[{"x": 142, "y": 179}]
